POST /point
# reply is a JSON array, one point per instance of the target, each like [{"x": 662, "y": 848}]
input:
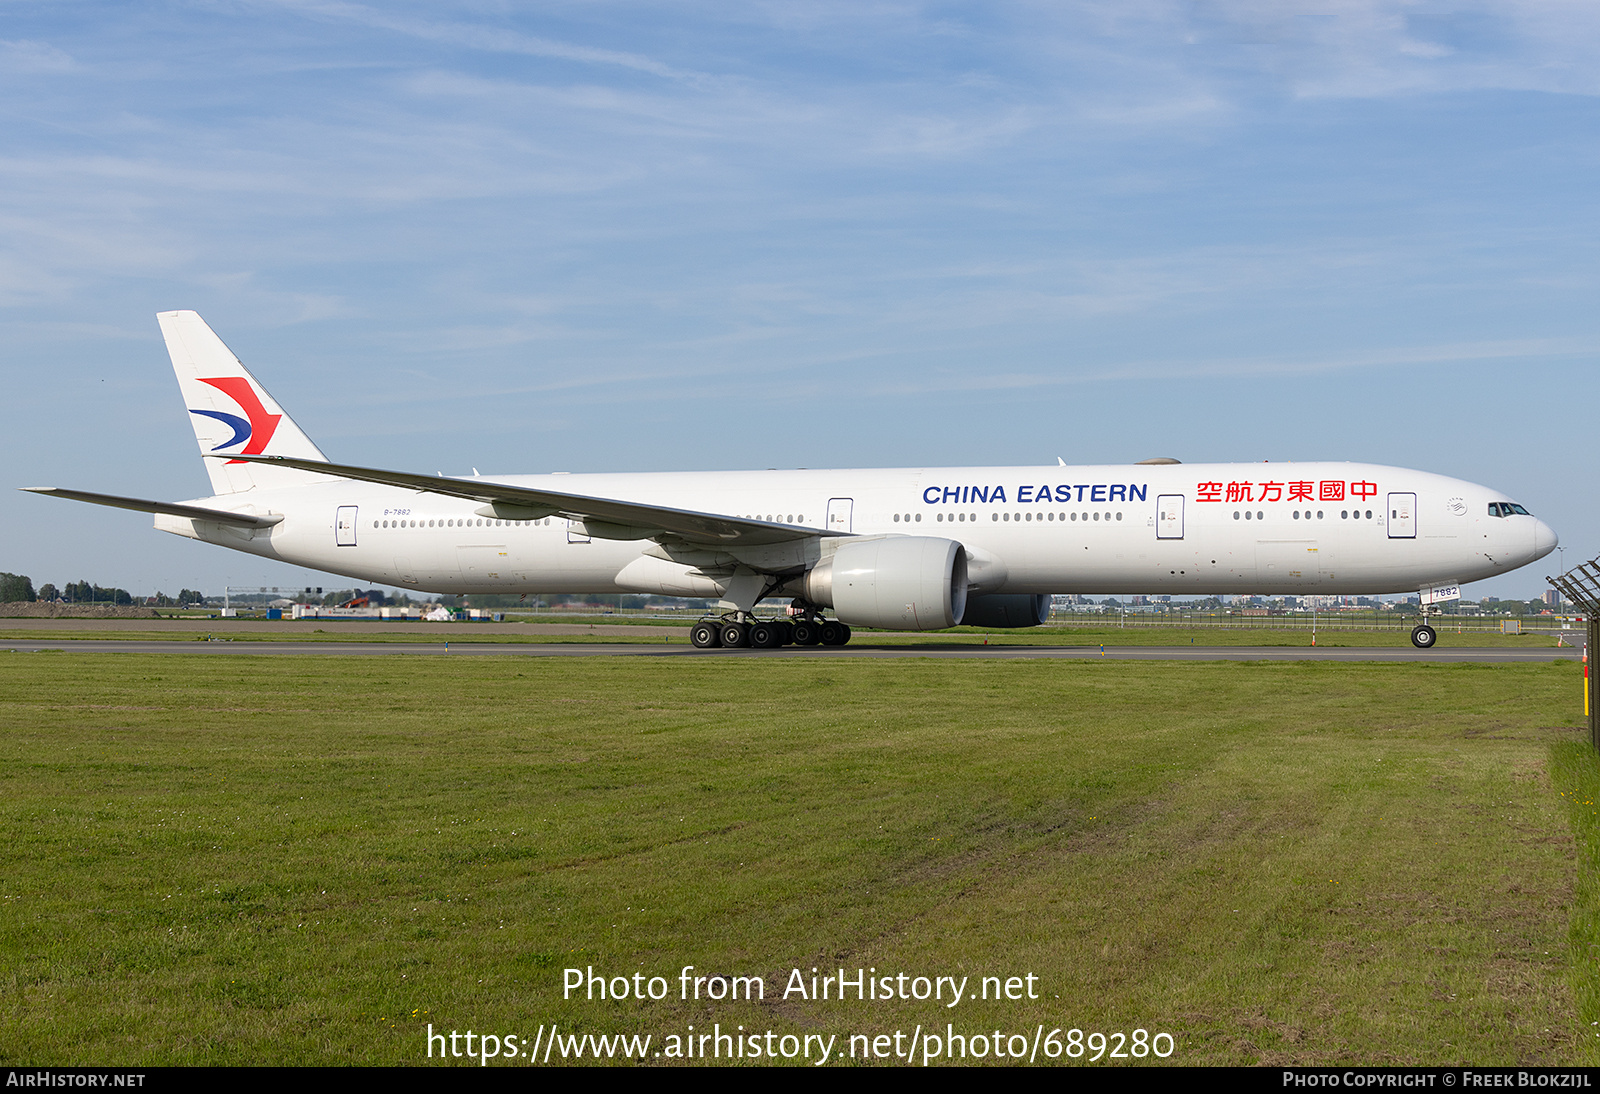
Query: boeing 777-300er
[{"x": 902, "y": 549}]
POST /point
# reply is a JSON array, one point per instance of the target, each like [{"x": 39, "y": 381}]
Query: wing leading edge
[{"x": 604, "y": 518}]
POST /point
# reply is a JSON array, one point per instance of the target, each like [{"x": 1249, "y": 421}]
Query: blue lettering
[
  {"x": 1135, "y": 493},
  {"x": 934, "y": 490},
  {"x": 1024, "y": 494},
  {"x": 1063, "y": 493},
  {"x": 1043, "y": 494},
  {"x": 998, "y": 495},
  {"x": 1098, "y": 494},
  {"x": 1118, "y": 492},
  {"x": 952, "y": 493},
  {"x": 980, "y": 493},
  {"x": 1080, "y": 490}
]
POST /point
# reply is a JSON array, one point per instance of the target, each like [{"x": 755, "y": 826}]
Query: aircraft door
[
  {"x": 1402, "y": 516},
  {"x": 344, "y": 526},
  {"x": 1169, "y": 516},
  {"x": 839, "y": 510}
]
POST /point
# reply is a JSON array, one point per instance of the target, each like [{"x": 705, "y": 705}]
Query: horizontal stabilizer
[
  {"x": 172, "y": 509},
  {"x": 710, "y": 529}
]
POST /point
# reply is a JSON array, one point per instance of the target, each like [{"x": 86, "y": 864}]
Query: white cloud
[
  {"x": 485, "y": 38},
  {"x": 25, "y": 57}
]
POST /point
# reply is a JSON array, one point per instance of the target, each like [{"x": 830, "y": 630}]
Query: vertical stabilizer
[{"x": 231, "y": 411}]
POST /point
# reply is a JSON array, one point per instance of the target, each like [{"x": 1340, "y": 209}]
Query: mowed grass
[
  {"x": 1107, "y": 634},
  {"x": 309, "y": 860}
]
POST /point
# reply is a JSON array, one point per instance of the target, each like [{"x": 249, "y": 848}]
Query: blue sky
[{"x": 601, "y": 236}]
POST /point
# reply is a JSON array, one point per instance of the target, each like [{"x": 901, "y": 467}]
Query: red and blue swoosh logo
[{"x": 256, "y": 427}]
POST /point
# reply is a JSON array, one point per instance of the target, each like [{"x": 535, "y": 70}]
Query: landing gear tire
[
  {"x": 765, "y": 636},
  {"x": 807, "y": 633},
  {"x": 705, "y": 636},
  {"x": 1424, "y": 637},
  {"x": 735, "y": 635},
  {"x": 835, "y": 633}
]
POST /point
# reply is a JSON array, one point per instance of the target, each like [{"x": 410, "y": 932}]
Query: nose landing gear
[{"x": 1424, "y": 636}]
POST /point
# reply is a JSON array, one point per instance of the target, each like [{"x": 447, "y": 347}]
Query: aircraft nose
[{"x": 1544, "y": 539}]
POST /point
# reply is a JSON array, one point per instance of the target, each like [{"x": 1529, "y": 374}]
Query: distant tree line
[
  {"x": 185, "y": 598},
  {"x": 19, "y": 587}
]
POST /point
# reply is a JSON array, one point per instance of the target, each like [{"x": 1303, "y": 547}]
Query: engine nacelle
[
  {"x": 1007, "y": 610},
  {"x": 900, "y": 583}
]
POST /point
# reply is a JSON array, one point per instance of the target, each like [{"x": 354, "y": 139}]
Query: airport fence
[{"x": 1332, "y": 621}]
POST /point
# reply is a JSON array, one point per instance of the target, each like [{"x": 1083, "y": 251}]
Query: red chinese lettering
[
  {"x": 1209, "y": 491},
  {"x": 1271, "y": 491},
  {"x": 1238, "y": 491},
  {"x": 1300, "y": 491},
  {"x": 1330, "y": 491},
  {"x": 1363, "y": 490}
]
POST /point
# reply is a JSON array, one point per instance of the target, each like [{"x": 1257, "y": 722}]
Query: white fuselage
[{"x": 1191, "y": 529}]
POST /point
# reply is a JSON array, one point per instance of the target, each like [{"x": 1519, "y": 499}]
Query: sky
[{"x": 611, "y": 236}]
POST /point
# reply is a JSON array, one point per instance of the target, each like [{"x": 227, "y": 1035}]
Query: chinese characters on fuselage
[{"x": 1302, "y": 490}]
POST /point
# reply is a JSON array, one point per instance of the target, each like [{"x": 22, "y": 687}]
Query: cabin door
[
  {"x": 1169, "y": 516},
  {"x": 344, "y": 526},
  {"x": 1402, "y": 516},
  {"x": 839, "y": 510}
]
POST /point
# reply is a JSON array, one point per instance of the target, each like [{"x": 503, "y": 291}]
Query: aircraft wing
[
  {"x": 140, "y": 505},
  {"x": 604, "y": 518}
]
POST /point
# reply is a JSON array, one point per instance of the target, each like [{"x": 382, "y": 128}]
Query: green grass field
[
  {"x": 309, "y": 860},
  {"x": 656, "y": 631}
]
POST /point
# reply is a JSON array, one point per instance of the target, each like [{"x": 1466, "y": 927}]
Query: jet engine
[{"x": 901, "y": 583}]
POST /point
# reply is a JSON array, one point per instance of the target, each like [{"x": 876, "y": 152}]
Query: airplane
[{"x": 910, "y": 549}]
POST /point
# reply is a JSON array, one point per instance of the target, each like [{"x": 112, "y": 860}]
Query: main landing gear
[{"x": 739, "y": 630}]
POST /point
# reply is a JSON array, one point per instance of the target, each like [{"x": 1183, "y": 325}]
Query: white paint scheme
[{"x": 740, "y": 534}]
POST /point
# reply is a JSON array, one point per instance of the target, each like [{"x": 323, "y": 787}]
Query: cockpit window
[{"x": 1506, "y": 509}]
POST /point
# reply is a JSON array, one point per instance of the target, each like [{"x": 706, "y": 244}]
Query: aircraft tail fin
[{"x": 231, "y": 411}]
